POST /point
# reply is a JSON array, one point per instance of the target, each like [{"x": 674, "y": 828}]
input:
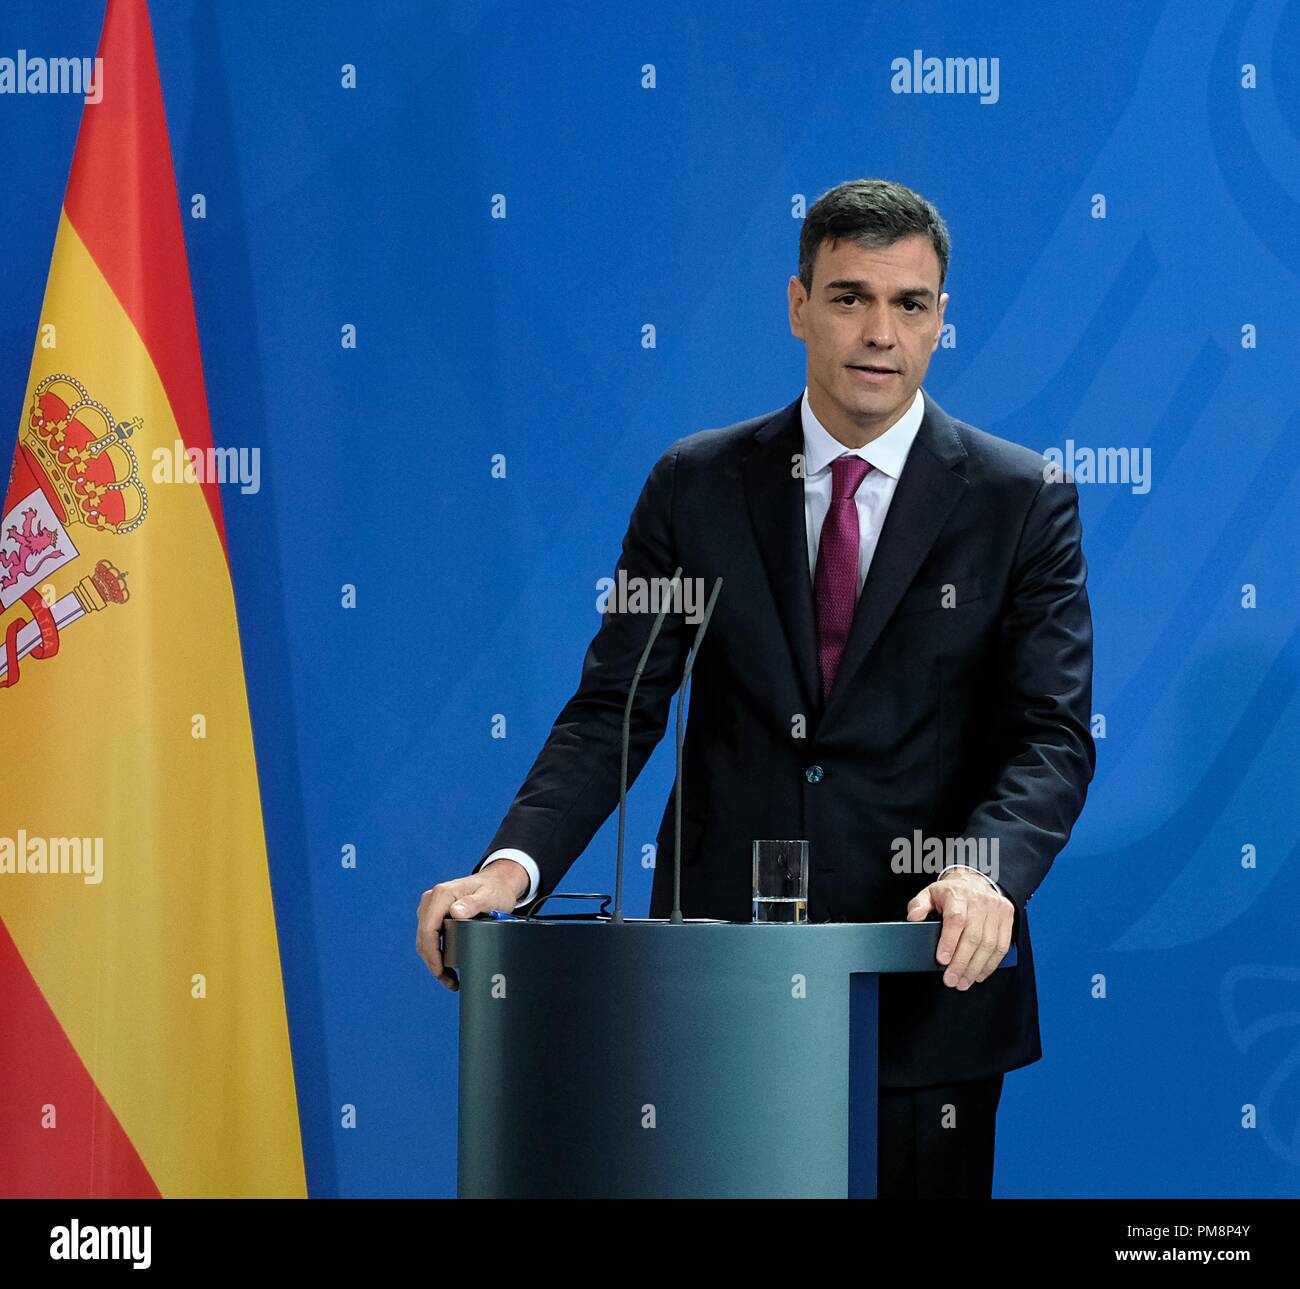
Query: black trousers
[{"x": 937, "y": 1142}]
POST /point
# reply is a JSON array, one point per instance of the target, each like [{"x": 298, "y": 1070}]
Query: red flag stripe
[{"x": 88, "y": 1153}]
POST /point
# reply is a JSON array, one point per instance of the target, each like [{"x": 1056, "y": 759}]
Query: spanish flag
[{"x": 144, "y": 1044}]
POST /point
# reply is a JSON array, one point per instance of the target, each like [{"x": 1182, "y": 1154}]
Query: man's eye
[
  {"x": 913, "y": 302},
  {"x": 850, "y": 296}
]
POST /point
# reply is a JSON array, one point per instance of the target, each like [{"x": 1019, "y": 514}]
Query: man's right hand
[{"x": 496, "y": 887}]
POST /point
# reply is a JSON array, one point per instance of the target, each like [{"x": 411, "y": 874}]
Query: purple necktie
[{"x": 835, "y": 585}]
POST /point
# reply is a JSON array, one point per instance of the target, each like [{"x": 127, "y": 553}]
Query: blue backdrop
[{"x": 1124, "y": 268}]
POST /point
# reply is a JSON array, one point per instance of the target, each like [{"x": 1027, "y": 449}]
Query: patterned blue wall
[{"x": 1124, "y": 214}]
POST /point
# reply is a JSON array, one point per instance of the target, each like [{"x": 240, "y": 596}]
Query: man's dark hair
[{"x": 871, "y": 212}]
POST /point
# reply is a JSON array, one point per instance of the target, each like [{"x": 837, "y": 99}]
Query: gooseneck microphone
[
  {"x": 680, "y": 767},
  {"x": 627, "y": 725}
]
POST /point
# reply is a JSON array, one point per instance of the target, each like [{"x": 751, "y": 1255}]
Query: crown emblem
[{"x": 83, "y": 452}]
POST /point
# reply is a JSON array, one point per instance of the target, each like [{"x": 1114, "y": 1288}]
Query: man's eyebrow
[{"x": 864, "y": 288}]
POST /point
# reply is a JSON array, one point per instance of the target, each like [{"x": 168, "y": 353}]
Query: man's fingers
[
  {"x": 434, "y": 904},
  {"x": 972, "y": 933},
  {"x": 954, "y": 910},
  {"x": 476, "y": 899},
  {"x": 920, "y": 906},
  {"x": 1001, "y": 944},
  {"x": 461, "y": 898},
  {"x": 982, "y": 945},
  {"x": 979, "y": 967},
  {"x": 426, "y": 932},
  {"x": 420, "y": 928}
]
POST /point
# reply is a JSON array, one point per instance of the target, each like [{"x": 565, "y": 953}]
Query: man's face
[{"x": 868, "y": 308}]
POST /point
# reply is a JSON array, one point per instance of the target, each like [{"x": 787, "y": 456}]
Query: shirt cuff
[
  {"x": 973, "y": 869},
  {"x": 534, "y": 877}
]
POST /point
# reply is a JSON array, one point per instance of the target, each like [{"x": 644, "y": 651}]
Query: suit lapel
[
  {"x": 925, "y": 495},
  {"x": 776, "y": 509}
]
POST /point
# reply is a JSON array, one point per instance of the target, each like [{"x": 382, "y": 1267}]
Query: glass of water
[{"x": 780, "y": 881}]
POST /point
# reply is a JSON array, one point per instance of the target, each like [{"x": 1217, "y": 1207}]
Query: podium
[{"x": 648, "y": 1059}]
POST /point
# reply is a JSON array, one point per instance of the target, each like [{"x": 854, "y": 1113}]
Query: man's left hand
[{"x": 977, "y": 922}]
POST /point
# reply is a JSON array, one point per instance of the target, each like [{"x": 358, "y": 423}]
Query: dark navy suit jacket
[{"x": 961, "y": 706}]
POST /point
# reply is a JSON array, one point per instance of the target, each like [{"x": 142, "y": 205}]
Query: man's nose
[{"x": 878, "y": 327}]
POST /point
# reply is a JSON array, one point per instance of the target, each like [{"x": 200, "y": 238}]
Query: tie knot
[{"x": 847, "y": 472}]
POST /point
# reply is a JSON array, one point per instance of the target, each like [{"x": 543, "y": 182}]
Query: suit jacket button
[{"x": 814, "y": 773}]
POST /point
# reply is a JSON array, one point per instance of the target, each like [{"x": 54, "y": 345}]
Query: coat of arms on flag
[{"x": 74, "y": 465}]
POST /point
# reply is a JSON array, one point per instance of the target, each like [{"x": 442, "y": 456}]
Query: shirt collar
[{"x": 888, "y": 452}]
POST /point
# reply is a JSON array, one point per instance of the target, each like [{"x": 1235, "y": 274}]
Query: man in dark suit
[{"x": 902, "y": 652}]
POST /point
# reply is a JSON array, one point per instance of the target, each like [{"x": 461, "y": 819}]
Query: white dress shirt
[{"x": 887, "y": 454}]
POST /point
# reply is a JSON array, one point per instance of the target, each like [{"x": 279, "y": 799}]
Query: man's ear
[
  {"x": 794, "y": 298},
  {"x": 938, "y": 333}
]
